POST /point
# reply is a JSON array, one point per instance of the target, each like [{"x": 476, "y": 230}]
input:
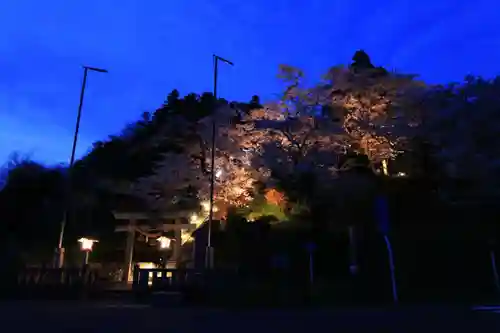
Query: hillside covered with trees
[{"x": 313, "y": 160}]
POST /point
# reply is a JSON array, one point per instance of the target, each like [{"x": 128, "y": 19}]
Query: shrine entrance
[{"x": 170, "y": 230}]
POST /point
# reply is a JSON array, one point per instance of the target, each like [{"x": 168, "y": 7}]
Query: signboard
[{"x": 382, "y": 214}]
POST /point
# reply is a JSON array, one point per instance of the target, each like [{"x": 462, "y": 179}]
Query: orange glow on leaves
[{"x": 275, "y": 197}]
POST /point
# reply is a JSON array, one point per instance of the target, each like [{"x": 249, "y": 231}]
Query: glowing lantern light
[
  {"x": 86, "y": 244},
  {"x": 185, "y": 236},
  {"x": 205, "y": 205},
  {"x": 164, "y": 242}
]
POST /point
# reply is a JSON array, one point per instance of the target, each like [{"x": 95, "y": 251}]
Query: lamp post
[
  {"x": 86, "y": 245},
  {"x": 209, "y": 254},
  {"x": 60, "y": 249}
]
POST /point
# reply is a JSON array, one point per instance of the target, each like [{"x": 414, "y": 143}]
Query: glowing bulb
[
  {"x": 385, "y": 168},
  {"x": 164, "y": 242},
  {"x": 218, "y": 173},
  {"x": 205, "y": 205},
  {"x": 87, "y": 244},
  {"x": 193, "y": 218},
  {"x": 146, "y": 265},
  {"x": 185, "y": 236}
]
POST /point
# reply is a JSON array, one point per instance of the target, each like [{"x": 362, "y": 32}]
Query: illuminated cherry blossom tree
[
  {"x": 378, "y": 110},
  {"x": 294, "y": 143},
  {"x": 291, "y": 135},
  {"x": 186, "y": 173},
  {"x": 308, "y": 131},
  {"x": 357, "y": 109}
]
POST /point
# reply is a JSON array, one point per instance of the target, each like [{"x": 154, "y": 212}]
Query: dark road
[{"x": 96, "y": 317}]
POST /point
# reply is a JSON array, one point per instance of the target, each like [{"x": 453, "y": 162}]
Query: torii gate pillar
[{"x": 129, "y": 251}]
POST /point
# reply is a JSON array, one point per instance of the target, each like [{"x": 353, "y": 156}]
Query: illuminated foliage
[
  {"x": 283, "y": 145},
  {"x": 275, "y": 197},
  {"x": 360, "y": 109},
  {"x": 186, "y": 173},
  {"x": 303, "y": 139},
  {"x": 377, "y": 109}
]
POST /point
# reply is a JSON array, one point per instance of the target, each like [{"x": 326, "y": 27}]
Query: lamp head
[
  {"x": 95, "y": 69},
  {"x": 86, "y": 244},
  {"x": 223, "y": 60},
  {"x": 164, "y": 242}
]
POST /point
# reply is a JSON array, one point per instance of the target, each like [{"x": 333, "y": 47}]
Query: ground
[{"x": 101, "y": 317}]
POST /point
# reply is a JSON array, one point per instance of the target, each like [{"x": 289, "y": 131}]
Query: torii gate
[{"x": 134, "y": 219}]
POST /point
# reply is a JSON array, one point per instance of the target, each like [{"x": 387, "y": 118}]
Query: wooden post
[
  {"x": 385, "y": 168},
  {"x": 193, "y": 254},
  {"x": 135, "y": 278},
  {"x": 177, "y": 243},
  {"x": 129, "y": 250}
]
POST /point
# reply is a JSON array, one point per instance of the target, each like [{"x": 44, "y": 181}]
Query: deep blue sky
[{"x": 151, "y": 47}]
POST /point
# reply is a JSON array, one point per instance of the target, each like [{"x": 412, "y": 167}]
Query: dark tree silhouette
[{"x": 361, "y": 60}]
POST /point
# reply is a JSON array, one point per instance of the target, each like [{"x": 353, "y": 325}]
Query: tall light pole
[
  {"x": 60, "y": 248},
  {"x": 209, "y": 254}
]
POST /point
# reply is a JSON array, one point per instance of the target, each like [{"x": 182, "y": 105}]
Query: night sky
[{"x": 153, "y": 46}]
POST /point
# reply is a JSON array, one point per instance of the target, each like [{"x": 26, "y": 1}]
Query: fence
[
  {"x": 156, "y": 279},
  {"x": 428, "y": 269},
  {"x": 51, "y": 283},
  {"x": 217, "y": 287}
]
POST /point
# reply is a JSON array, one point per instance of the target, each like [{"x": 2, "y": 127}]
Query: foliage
[
  {"x": 305, "y": 141},
  {"x": 99, "y": 177},
  {"x": 31, "y": 202},
  {"x": 268, "y": 206},
  {"x": 185, "y": 174},
  {"x": 461, "y": 125},
  {"x": 307, "y": 157},
  {"x": 376, "y": 108},
  {"x": 275, "y": 197}
]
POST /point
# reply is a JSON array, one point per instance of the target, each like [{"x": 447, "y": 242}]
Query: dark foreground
[{"x": 100, "y": 317}]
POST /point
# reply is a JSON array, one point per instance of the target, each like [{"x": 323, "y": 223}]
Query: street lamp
[
  {"x": 209, "y": 254},
  {"x": 60, "y": 248},
  {"x": 86, "y": 245}
]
